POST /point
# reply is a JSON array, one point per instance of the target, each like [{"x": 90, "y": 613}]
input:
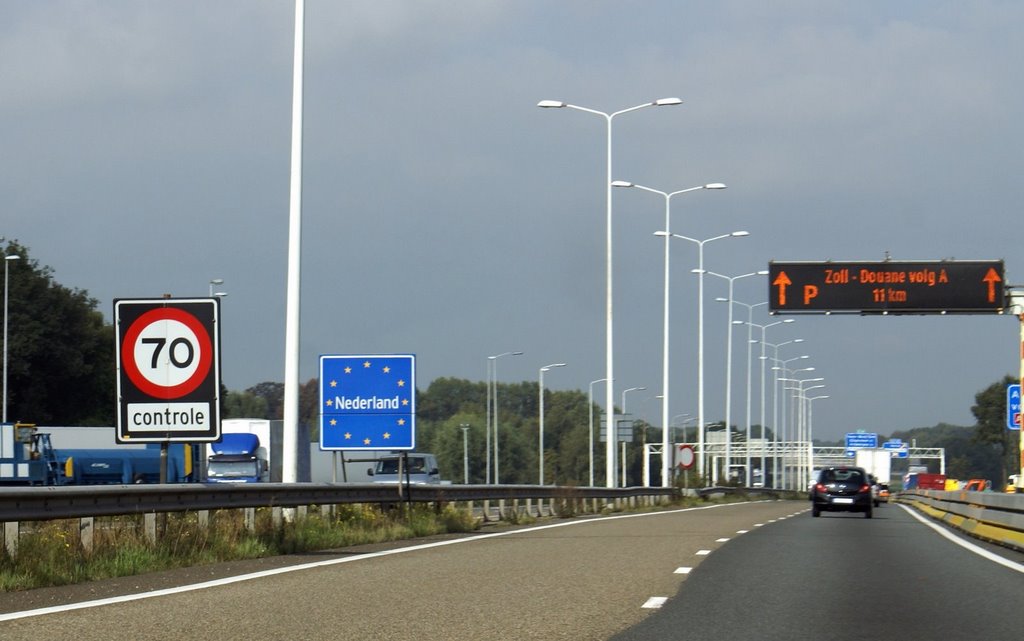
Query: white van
[{"x": 422, "y": 469}]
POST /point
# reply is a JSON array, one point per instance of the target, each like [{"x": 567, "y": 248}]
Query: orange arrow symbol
[
  {"x": 782, "y": 280},
  {"x": 992, "y": 277}
]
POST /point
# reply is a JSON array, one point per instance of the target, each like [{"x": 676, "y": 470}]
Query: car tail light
[
  {"x": 820, "y": 488},
  {"x": 864, "y": 488}
]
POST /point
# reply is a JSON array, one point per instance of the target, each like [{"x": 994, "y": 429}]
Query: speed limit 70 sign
[{"x": 168, "y": 369}]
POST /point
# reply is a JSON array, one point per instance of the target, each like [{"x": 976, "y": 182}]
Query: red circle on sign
[
  {"x": 686, "y": 457},
  {"x": 131, "y": 368}
]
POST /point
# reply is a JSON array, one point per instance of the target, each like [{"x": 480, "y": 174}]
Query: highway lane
[
  {"x": 841, "y": 577},
  {"x": 581, "y": 579}
]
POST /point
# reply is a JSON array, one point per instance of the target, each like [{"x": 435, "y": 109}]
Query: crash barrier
[
  {"x": 991, "y": 516},
  {"x": 25, "y": 504}
]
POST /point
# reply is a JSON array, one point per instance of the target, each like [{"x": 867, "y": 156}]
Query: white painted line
[
  {"x": 703, "y": 552},
  {"x": 655, "y": 602},
  {"x": 83, "y": 605},
  {"x": 742, "y": 531},
  {"x": 967, "y": 545},
  {"x": 682, "y": 570},
  {"x": 759, "y": 525},
  {"x": 721, "y": 540}
]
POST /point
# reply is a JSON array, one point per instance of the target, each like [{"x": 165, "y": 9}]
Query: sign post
[
  {"x": 168, "y": 370},
  {"x": 368, "y": 402}
]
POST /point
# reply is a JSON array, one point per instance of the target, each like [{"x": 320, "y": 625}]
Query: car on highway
[
  {"x": 882, "y": 493},
  {"x": 842, "y": 489}
]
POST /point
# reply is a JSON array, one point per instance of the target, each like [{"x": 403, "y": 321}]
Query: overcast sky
[{"x": 146, "y": 151}]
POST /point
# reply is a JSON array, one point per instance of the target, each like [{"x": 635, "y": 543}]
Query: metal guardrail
[
  {"x": 992, "y": 516},
  {"x": 40, "y": 504}
]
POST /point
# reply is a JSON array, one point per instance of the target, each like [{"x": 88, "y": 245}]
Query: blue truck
[{"x": 236, "y": 458}]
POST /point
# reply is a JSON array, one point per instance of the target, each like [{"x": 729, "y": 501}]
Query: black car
[{"x": 842, "y": 489}]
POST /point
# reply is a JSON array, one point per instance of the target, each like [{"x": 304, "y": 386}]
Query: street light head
[
  {"x": 790, "y": 320},
  {"x": 763, "y": 272},
  {"x": 662, "y": 233},
  {"x": 714, "y": 186},
  {"x": 667, "y": 102},
  {"x": 517, "y": 353},
  {"x": 551, "y": 104},
  {"x": 740, "y": 234},
  {"x": 722, "y": 300},
  {"x": 12, "y": 257},
  {"x": 621, "y": 183}
]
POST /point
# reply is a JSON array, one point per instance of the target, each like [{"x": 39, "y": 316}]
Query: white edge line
[
  {"x": 82, "y": 605},
  {"x": 966, "y": 544},
  {"x": 683, "y": 570}
]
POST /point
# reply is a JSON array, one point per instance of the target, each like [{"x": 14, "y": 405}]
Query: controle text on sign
[
  {"x": 168, "y": 369},
  {"x": 368, "y": 402},
  {"x": 889, "y": 287}
]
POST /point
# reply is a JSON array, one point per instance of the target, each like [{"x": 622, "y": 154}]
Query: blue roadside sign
[
  {"x": 1013, "y": 406},
  {"x": 857, "y": 440},
  {"x": 368, "y": 402}
]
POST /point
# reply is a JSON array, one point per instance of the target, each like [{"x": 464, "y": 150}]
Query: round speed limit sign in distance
[{"x": 167, "y": 353}]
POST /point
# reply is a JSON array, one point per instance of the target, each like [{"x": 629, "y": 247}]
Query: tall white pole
[
  {"x": 540, "y": 430},
  {"x": 289, "y": 462},
  {"x": 487, "y": 431},
  {"x": 609, "y": 343},
  {"x": 665, "y": 458},
  {"x": 494, "y": 400},
  {"x": 7, "y": 262},
  {"x": 590, "y": 428}
]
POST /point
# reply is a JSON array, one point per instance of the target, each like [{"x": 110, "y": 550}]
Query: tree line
[{"x": 61, "y": 371}]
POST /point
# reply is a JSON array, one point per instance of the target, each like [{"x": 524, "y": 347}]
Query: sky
[{"x": 146, "y": 151}]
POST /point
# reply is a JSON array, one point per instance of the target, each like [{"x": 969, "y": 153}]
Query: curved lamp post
[
  {"x": 540, "y": 431},
  {"x": 700, "y": 331},
  {"x": 7, "y": 262},
  {"x": 609, "y": 368},
  {"x": 728, "y": 367},
  {"x": 492, "y": 401},
  {"x": 665, "y": 478}
]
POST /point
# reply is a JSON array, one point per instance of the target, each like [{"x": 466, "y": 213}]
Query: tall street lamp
[
  {"x": 540, "y": 431},
  {"x": 700, "y": 331},
  {"x": 493, "y": 400},
  {"x": 609, "y": 368},
  {"x": 784, "y": 423},
  {"x": 465, "y": 453},
  {"x": 665, "y": 480},
  {"x": 810, "y": 432},
  {"x": 215, "y": 281},
  {"x": 590, "y": 429},
  {"x": 728, "y": 367},
  {"x": 623, "y": 466},
  {"x": 764, "y": 358},
  {"x": 750, "y": 349},
  {"x": 7, "y": 262},
  {"x": 798, "y": 409}
]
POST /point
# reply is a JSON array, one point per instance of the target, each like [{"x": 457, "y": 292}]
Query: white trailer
[{"x": 877, "y": 462}]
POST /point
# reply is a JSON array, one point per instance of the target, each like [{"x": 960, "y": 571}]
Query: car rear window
[{"x": 842, "y": 475}]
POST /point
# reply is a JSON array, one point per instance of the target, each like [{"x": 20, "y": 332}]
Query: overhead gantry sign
[{"x": 887, "y": 287}]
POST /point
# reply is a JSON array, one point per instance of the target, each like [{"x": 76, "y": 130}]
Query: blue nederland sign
[{"x": 368, "y": 402}]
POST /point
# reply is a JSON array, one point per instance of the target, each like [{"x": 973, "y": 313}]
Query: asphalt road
[
  {"x": 580, "y": 579},
  {"x": 843, "y": 577}
]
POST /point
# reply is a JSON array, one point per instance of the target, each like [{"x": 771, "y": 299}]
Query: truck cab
[
  {"x": 236, "y": 459},
  {"x": 421, "y": 469}
]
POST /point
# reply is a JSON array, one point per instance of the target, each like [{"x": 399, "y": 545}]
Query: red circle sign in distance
[
  {"x": 686, "y": 457},
  {"x": 131, "y": 368}
]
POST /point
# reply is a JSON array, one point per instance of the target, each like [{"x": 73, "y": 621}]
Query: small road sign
[
  {"x": 368, "y": 402},
  {"x": 1013, "y": 406},
  {"x": 686, "y": 457},
  {"x": 887, "y": 287},
  {"x": 168, "y": 370}
]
